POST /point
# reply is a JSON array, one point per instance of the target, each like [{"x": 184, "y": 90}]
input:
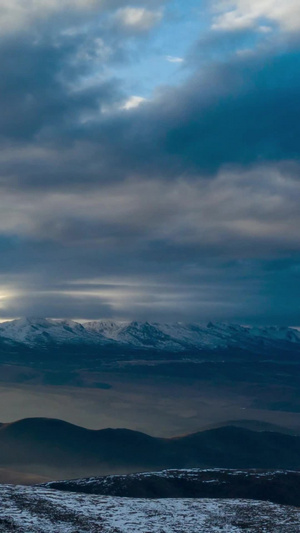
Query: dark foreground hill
[
  {"x": 58, "y": 450},
  {"x": 279, "y": 486}
]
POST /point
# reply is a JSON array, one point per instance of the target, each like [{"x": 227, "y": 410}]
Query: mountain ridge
[{"x": 172, "y": 337}]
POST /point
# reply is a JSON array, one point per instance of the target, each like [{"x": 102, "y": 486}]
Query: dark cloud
[
  {"x": 40, "y": 88},
  {"x": 239, "y": 112},
  {"x": 192, "y": 251},
  {"x": 168, "y": 289}
]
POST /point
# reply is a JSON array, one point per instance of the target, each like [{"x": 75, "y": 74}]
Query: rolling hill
[{"x": 58, "y": 450}]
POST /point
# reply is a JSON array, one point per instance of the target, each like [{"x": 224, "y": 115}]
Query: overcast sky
[{"x": 149, "y": 160}]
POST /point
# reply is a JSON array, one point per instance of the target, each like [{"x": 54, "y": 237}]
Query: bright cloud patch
[
  {"x": 173, "y": 59},
  {"x": 239, "y": 14},
  {"x": 132, "y": 102},
  {"x": 139, "y": 19}
]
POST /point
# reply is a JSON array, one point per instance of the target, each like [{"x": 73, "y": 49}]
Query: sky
[{"x": 150, "y": 160}]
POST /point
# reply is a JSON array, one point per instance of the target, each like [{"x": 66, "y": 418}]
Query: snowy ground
[
  {"x": 41, "y": 510},
  {"x": 197, "y": 474}
]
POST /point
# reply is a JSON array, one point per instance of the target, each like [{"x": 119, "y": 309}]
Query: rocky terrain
[
  {"x": 42, "y": 510},
  {"x": 279, "y": 486}
]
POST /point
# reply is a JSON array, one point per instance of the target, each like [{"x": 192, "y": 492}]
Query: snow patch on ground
[{"x": 38, "y": 509}]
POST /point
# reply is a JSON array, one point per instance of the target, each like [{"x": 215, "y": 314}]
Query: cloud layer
[{"x": 177, "y": 203}]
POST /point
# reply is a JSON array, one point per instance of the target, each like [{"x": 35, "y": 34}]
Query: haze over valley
[{"x": 164, "y": 380}]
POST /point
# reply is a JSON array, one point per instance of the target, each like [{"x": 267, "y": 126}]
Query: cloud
[
  {"x": 239, "y": 14},
  {"x": 138, "y": 19},
  {"x": 132, "y": 102},
  {"x": 237, "y": 112},
  {"x": 155, "y": 250},
  {"x": 240, "y": 213},
  {"x": 19, "y": 14},
  {"x": 184, "y": 205},
  {"x": 174, "y": 59},
  {"x": 56, "y": 131}
]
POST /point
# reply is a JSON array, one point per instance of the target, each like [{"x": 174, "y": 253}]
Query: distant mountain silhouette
[
  {"x": 58, "y": 449},
  {"x": 254, "y": 425}
]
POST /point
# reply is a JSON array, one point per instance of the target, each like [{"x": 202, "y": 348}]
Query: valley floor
[{"x": 41, "y": 510}]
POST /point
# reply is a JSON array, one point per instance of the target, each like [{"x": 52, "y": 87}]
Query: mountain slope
[
  {"x": 280, "y": 486},
  {"x": 39, "y": 332}
]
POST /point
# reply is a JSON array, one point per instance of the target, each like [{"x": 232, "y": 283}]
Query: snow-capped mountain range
[{"x": 159, "y": 336}]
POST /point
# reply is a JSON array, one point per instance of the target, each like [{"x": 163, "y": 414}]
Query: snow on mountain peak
[
  {"x": 160, "y": 336},
  {"x": 41, "y": 331}
]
